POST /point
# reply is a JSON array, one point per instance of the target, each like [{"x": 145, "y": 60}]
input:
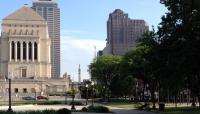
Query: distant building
[
  {"x": 122, "y": 32},
  {"x": 49, "y": 10}
]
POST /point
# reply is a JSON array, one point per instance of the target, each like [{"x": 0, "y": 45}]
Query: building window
[
  {"x": 50, "y": 9},
  {"x": 32, "y": 90},
  {"x": 16, "y": 90},
  {"x": 24, "y": 90},
  {"x": 32, "y": 32},
  {"x": 35, "y": 51},
  {"x": 37, "y": 32},
  {"x": 18, "y": 50},
  {"x": 24, "y": 50},
  {"x": 30, "y": 51},
  {"x": 20, "y": 32},
  {"x": 13, "y": 50},
  {"x": 23, "y": 73}
]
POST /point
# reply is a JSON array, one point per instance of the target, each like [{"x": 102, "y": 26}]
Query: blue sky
[{"x": 83, "y": 26}]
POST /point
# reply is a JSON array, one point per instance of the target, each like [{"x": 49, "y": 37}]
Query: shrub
[
  {"x": 77, "y": 103},
  {"x": 98, "y": 109},
  {"x": 49, "y": 102},
  {"x": 64, "y": 111},
  {"x": 84, "y": 109}
]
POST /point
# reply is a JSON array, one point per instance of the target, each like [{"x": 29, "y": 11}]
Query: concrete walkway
[{"x": 57, "y": 107}]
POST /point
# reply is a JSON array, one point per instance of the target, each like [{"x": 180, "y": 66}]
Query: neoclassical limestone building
[
  {"x": 25, "y": 56},
  {"x": 25, "y": 45}
]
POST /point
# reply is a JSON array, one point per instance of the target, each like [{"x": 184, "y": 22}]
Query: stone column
[
  {"x": 15, "y": 51},
  {"x": 38, "y": 52},
  {"x": 21, "y": 52},
  {"x": 32, "y": 51},
  {"x": 10, "y": 51},
  {"x": 27, "y": 52}
]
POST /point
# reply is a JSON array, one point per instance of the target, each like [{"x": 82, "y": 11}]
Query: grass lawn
[
  {"x": 181, "y": 110},
  {"x": 32, "y": 102},
  {"x": 124, "y": 104},
  {"x": 178, "y": 112}
]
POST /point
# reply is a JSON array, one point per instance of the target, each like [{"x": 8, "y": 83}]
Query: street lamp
[
  {"x": 92, "y": 84},
  {"x": 9, "y": 92},
  {"x": 35, "y": 93},
  {"x": 86, "y": 94},
  {"x": 73, "y": 106}
]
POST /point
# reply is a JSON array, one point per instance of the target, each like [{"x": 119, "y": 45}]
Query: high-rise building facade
[
  {"x": 122, "y": 32},
  {"x": 49, "y": 10}
]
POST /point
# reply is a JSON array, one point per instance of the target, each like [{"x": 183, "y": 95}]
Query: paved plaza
[{"x": 56, "y": 107}]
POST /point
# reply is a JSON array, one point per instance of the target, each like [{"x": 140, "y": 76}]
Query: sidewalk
[{"x": 57, "y": 107}]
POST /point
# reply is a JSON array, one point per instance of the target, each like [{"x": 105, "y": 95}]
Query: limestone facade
[
  {"x": 25, "y": 46},
  {"x": 25, "y": 56}
]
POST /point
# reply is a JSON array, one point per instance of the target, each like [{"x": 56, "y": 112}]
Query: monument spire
[{"x": 79, "y": 73}]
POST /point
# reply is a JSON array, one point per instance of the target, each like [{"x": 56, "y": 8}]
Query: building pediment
[{"x": 26, "y": 14}]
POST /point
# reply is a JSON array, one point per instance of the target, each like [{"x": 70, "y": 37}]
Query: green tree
[
  {"x": 104, "y": 69},
  {"x": 180, "y": 37}
]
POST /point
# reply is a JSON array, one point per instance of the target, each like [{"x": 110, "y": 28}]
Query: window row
[
  {"x": 24, "y": 51},
  {"x": 24, "y": 90},
  {"x": 15, "y": 25},
  {"x": 23, "y": 32}
]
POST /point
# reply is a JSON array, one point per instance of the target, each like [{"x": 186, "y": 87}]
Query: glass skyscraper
[{"x": 49, "y": 10}]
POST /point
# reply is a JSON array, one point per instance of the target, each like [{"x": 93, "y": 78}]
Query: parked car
[
  {"x": 28, "y": 98},
  {"x": 42, "y": 97}
]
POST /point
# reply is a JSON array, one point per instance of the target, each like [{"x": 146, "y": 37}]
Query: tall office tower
[
  {"x": 122, "y": 32},
  {"x": 49, "y": 10}
]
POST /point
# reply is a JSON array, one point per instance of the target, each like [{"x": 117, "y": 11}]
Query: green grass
[
  {"x": 42, "y": 102},
  {"x": 33, "y": 102},
  {"x": 178, "y": 112},
  {"x": 124, "y": 104},
  {"x": 182, "y": 110},
  {"x": 32, "y": 112}
]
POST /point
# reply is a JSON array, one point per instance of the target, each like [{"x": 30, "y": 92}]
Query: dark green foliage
[
  {"x": 98, "y": 109},
  {"x": 84, "y": 109},
  {"x": 103, "y": 70},
  {"x": 64, "y": 111},
  {"x": 49, "y": 103}
]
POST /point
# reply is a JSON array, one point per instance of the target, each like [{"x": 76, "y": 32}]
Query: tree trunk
[
  {"x": 193, "y": 102},
  {"x": 198, "y": 100},
  {"x": 176, "y": 101},
  {"x": 153, "y": 99}
]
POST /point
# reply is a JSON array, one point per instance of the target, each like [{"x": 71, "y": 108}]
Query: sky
[{"x": 83, "y": 26}]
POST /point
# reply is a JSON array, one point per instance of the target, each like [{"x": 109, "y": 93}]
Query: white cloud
[{"x": 75, "y": 51}]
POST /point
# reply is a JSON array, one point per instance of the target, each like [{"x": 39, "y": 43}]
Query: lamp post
[
  {"x": 9, "y": 92},
  {"x": 86, "y": 94},
  {"x": 92, "y": 84},
  {"x": 35, "y": 94},
  {"x": 66, "y": 98},
  {"x": 73, "y": 106}
]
